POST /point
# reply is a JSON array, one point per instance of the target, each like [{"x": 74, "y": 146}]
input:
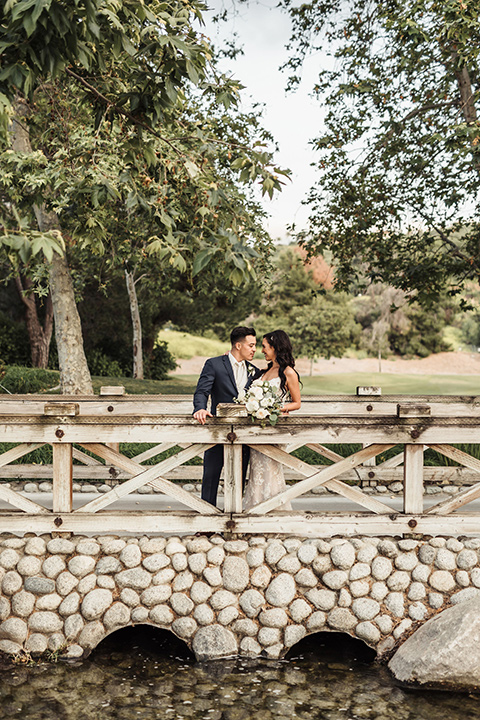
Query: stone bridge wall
[{"x": 257, "y": 596}]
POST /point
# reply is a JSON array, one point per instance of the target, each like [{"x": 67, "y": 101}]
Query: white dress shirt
[{"x": 239, "y": 373}]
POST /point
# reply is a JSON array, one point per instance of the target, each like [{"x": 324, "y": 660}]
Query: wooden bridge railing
[{"x": 72, "y": 425}]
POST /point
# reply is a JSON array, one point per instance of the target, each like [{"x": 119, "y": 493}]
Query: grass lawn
[
  {"x": 182, "y": 345},
  {"x": 391, "y": 384}
]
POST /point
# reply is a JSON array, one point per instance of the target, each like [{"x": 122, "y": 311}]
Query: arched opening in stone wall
[
  {"x": 141, "y": 643},
  {"x": 332, "y": 648}
]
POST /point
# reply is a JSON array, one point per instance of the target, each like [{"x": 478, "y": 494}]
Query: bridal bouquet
[{"x": 262, "y": 402}]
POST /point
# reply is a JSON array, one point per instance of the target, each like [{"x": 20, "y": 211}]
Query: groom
[{"x": 224, "y": 378}]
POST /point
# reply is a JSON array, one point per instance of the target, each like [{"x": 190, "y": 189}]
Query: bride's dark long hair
[{"x": 280, "y": 342}]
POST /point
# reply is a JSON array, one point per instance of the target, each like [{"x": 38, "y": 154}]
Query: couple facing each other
[{"x": 229, "y": 376}]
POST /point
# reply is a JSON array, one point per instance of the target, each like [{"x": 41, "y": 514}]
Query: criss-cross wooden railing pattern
[{"x": 89, "y": 430}]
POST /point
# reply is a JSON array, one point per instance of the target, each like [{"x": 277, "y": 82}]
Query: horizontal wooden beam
[
  {"x": 443, "y": 474},
  {"x": 290, "y": 523}
]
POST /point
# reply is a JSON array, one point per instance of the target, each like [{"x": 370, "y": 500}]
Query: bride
[{"x": 266, "y": 475}]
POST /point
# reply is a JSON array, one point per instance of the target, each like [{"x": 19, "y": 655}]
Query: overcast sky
[{"x": 294, "y": 118}]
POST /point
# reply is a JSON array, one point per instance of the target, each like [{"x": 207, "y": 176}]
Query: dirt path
[{"x": 447, "y": 363}]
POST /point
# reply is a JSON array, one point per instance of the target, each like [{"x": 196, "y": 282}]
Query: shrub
[
  {"x": 158, "y": 364},
  {"x": 14, "y": 342},
  {"x": 19, "y": 380},
  {"x": 102, "y": 365}
]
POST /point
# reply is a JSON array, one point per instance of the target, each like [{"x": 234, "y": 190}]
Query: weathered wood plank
[
  {"x": 58, "y": 409},
  {"x": 321, "y": 477},
  {"x": 233, "y": 478},
  {"x": 85, "y": 459},
  {"x": 308, "y": 525},
  {"x": 392, "y": 462},
  {"x": 451, "y": 504},
  {"x": 62, "y": 477},
  {"x": 413, "y": 479},
  {"x": 20, "y": 502},
  {"x": 152, "y": 452},
  {"x": 152, "y": 476},
  {"x": 17, "y": 452},
  {"x": 325, "y": 452},
  {"x": 459, "y": 456}
]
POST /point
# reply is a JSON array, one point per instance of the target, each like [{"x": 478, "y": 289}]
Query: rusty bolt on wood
[
  {"x": 59, "y": 433},
  {"x": 231, "y": 437}
]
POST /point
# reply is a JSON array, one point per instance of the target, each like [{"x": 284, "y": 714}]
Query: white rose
[
  {"x": 256, "y": 392},
  {"x": 266, "y": 402},
  {"x": 262, "y": 414},
  {"x": 252, "y": 405}
]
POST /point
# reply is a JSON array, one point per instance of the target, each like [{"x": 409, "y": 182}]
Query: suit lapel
[
  {"x": 250, "y": 374},
  {"x": 229, "y": 369}
]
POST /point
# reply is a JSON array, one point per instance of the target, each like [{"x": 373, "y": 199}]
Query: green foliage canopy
[{"x": 400, "y": 156}]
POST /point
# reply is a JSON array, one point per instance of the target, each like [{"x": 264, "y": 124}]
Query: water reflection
[{"x": 146, "y": 674}]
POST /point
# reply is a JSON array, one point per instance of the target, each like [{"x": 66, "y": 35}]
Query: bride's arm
[{"x": 293, "y": 387}]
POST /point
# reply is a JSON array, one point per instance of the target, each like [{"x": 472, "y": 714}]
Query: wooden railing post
[
  {"x": 232, "y": 478},
  {"x": 413, "y": 480},
  {"x": 62, "y": 477}
]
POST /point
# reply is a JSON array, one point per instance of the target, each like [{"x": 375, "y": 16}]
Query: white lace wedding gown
[{"x": 266, "y": 475}]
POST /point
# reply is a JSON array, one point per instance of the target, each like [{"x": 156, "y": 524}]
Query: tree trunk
[
  {"x": 39, "y": 335},
  {"x": 136, "y": 326},
  {"x": 74, "y": 373}
]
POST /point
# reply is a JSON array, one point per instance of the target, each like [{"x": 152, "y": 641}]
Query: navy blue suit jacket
[{"x": 218, "y": 382}]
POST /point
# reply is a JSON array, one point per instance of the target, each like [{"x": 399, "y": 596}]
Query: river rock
[
  {"x": 131, "y": 556},
  {"x": 23, "y": 603},
  {"x": 60, "y": 546},
  {"x": 49, "y": 602},
  {"x": 235, "y": 574},
  {"x": 45, "y": 622},
  {"x": 341, "y": 619},
  {"x": 160, "y": 615},
  {"x": 204, "y": 614},
  {"x": 214, "y": 641},
  {"x": 343, "y": 556},
  {"x": 81, "y": 565},
  {"x": 91, "y": 635},
  {"x": 95, "y": 603},
  {"x": 8, "y": 559},
  {"x": 155, "y": 595},
  {"x": 442, "y": 580},
  {"x": 216, "y": 555},
  {"x": 281, "y": 590},
  {"x": 184, "y": 627},
  {"x": 306, "y": 553},
  {"x": 135, "y": 578},
  {"x": 74, "y": 625},
  {"x": 445, "y": 650},
  {"x": 116, "y": 616},
  {"x": 322, "y": 599},
  {"x": 227, "y": 615},
  {"x": 36, "y": 644},
  {"x": 14, "y": 629},
  {"x": 53, "y": 566},
  {"x": 12, "y": 582},
  {"x": 299, "y": 610},
  {"x": 382, "y": 567},
  {"x": 181, "y": 604},
  {"x": 251, "y": 602},
  {"x": 5, "y": 608}
]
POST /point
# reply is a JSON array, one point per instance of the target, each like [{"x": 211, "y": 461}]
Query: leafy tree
[
  {"x": 399, "y": 160},
  {"x": 320, "y": 323},
  {"x": 325, "y": 328},
  {"x": 392, "y": 325},
  {"x": 144, "y": 69}
]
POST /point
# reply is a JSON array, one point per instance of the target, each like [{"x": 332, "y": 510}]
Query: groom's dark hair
[{"x": 240, "y": 333}]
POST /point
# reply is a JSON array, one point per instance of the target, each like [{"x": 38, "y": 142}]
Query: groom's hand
[{"x": 201, "y": 416}]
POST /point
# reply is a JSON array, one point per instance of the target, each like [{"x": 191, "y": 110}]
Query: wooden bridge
[{"x": 88, "y": 430}]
